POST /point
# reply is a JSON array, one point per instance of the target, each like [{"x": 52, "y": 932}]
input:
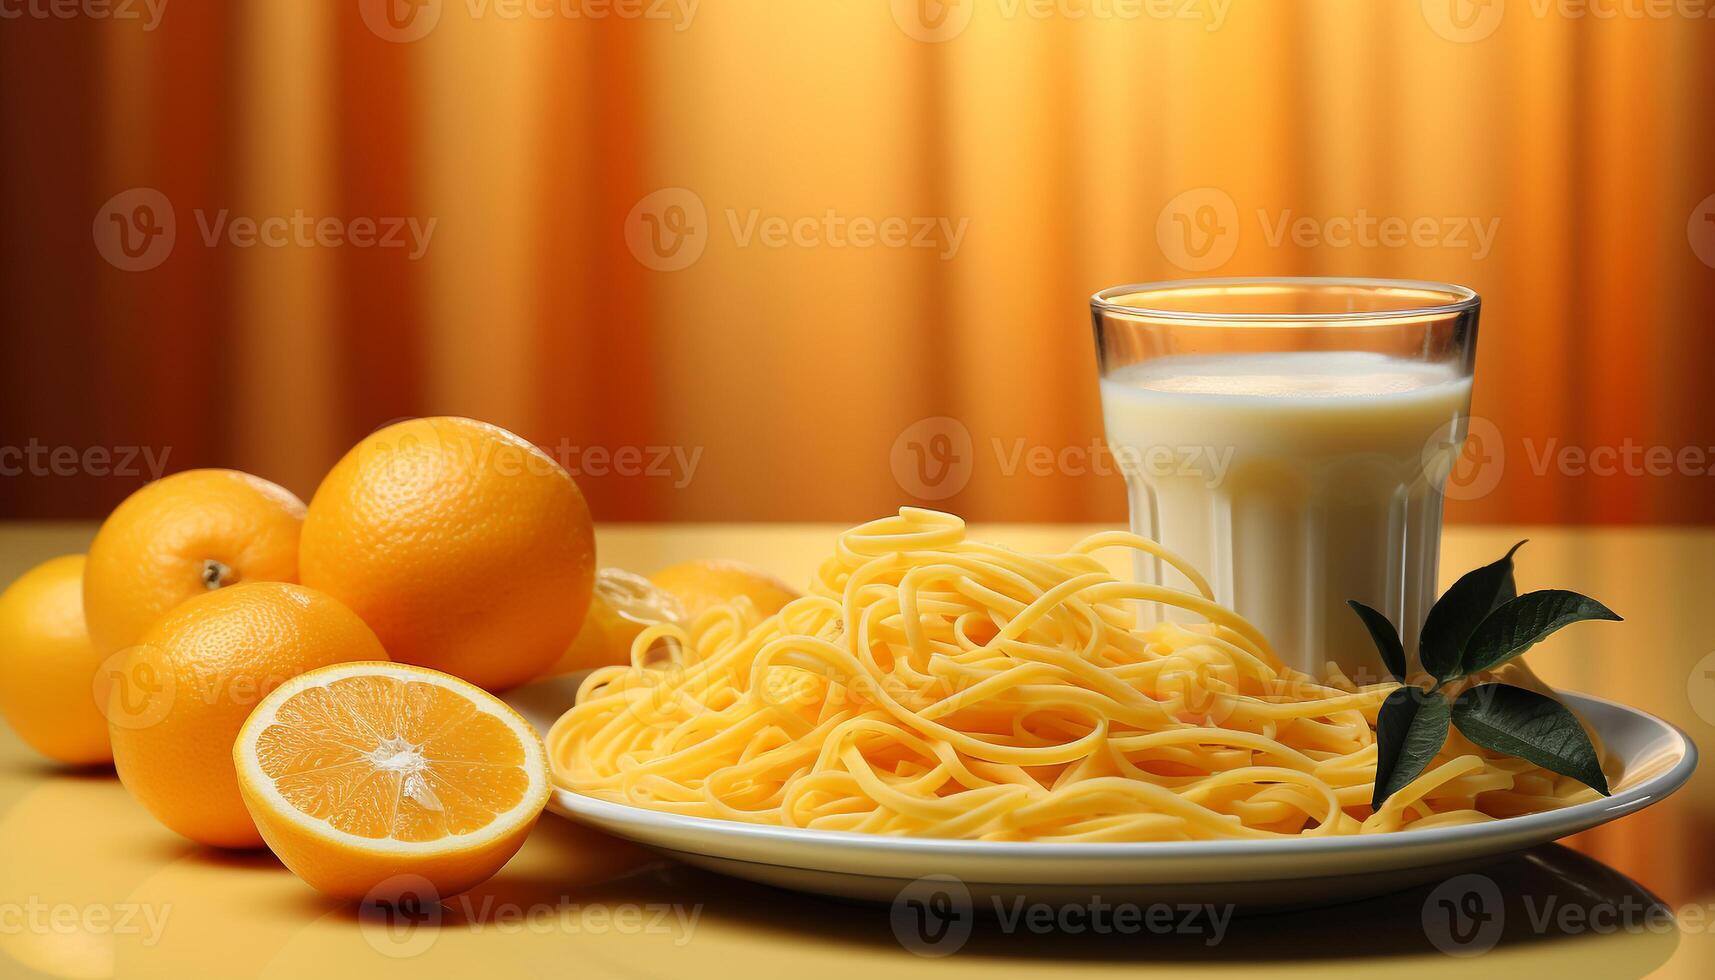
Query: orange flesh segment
[{"x": 381, "y": 757}]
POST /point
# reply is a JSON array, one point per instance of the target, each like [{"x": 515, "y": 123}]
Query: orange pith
[{"x": 379, "y": 757}]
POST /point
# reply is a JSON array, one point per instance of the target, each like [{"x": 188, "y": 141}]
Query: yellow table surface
[{"x": 91, "y": 886}]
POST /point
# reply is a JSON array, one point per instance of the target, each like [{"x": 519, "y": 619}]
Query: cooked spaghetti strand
[{"x": 932, "y": 686}]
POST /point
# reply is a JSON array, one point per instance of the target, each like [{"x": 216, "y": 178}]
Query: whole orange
[
  {"x": 179, "y": 697},
  {"x": 182, "y": 536},
  {"x": 47, "y": 665},
  {"x": 465, "y": 547}
]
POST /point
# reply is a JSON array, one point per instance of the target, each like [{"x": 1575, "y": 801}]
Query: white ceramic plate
[{"x": 1657, "y": 758}]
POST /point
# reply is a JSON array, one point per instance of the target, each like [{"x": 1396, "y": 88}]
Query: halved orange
[{"x": 368, "y": 779}]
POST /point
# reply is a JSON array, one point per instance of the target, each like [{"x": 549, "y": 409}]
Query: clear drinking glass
[{"x": 1291, "y": 439}]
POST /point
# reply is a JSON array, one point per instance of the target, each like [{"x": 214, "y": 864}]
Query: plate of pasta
[{"x": 940, "y": 706}]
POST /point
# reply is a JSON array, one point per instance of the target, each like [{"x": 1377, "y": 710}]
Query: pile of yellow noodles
[{"x": 934, "y": 686}]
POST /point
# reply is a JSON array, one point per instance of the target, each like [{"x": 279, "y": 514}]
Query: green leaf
[
  {"x": 1386, "y": 636},
  {"x": 1516, "y": 626},
  {"x": 1459, "y": 611},
  {"x": 1410, "y": 729},
  {"x": 1533, "y": 727}
]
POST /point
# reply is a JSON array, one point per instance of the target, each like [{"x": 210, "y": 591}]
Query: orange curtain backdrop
[{"x": 1048, "y": 151}]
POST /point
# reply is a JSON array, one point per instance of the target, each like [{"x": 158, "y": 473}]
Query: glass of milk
[{"x": 1291, "y": 438}]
